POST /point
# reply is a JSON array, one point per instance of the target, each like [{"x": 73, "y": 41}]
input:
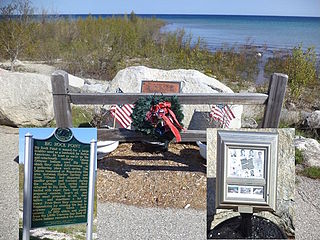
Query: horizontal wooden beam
[
  {"x": 125, "y": 135},
  {"x": 184, "y": 98}
]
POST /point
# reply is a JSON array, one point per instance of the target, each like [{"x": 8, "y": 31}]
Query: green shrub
[
  {"x": 298, "y": 156},
  {"x": 299, "y": 65},
  {"x": 235, "y": 65},
  {"x": 312, "y": 172}
]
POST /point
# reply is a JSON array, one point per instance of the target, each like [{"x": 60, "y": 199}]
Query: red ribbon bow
[{"x": 160, "y": 111}]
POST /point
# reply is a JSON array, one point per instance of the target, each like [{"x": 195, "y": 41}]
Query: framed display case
[{"x": 246, "y": 169}]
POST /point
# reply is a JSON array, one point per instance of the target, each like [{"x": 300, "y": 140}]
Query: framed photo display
[{"x": 246, "y": 169}]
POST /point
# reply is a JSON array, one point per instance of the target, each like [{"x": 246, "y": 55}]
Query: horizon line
[{"x": 185, "y": 14}]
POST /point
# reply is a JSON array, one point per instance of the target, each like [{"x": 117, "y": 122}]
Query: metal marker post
[
  {"x": 93, "y": 159},
  {"x": 27, "y": 189},
  {"x": 246, "y": 224}
]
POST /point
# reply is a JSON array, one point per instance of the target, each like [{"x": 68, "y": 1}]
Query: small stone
[
  {"x": 249, "y": 123},
  {"x": 310, "y": 150},
  {"x": 313, "y": 120}
]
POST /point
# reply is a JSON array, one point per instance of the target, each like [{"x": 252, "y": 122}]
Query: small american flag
[
  {"x": 122, "y": 113},
  {"x": 222, "y": 114}
]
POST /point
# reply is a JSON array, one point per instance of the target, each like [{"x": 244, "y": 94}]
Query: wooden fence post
[
  {"x": 61, "y": 103},
  {"x": 277, "y": 90}
]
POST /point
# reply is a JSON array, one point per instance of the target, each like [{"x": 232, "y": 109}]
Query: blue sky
[
  {"x": 84, "y": 135},
  {"x": 234, "y": 7}
]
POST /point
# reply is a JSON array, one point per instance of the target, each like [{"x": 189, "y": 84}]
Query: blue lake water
[{"x": 273, "y": 32}]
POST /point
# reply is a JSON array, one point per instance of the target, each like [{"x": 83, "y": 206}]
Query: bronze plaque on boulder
[{"x": 160, "y": 87}]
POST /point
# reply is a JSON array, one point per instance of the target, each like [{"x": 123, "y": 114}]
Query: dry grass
[{"x": 174, "y": 179}]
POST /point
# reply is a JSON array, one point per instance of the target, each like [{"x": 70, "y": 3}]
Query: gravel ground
[
  {"x": 307, "y": 208},
  {"x": 172, "y": 179},
  {"x": 9, "y": 184},
  {"x": 119, "y": 221}
]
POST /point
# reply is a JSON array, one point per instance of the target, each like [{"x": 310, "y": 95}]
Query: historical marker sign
[
  {"x": 160, "y": 87},
  {"x": 60, "y": 180}
]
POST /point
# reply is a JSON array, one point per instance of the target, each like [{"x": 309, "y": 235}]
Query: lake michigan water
[{"x": 272, "y": 32}]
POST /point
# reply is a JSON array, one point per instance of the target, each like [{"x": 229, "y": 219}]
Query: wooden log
[
  {"x": 61, "y": 103},
  {"x": 276, "y": 93},
  {"x": 184, "y": 98},
  {"x": 125, "y": 135}
]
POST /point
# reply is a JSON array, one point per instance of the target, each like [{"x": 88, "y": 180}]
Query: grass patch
[
  {"x": 284, "y": 124},
  {"x": 76, "y": 229},
  {"x": 312, "y": 172},
  {"x": 81, "y": 117},
  {"x": 298, "y": 156}
]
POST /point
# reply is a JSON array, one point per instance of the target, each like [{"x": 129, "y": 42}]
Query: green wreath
[{"x": 157, "y": 130}]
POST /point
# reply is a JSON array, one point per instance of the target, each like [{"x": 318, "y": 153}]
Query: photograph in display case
[
  {"x": 246, "y": 163},
  {"x": 246, "y": 169},
  {"x": 238, "y": 191}
]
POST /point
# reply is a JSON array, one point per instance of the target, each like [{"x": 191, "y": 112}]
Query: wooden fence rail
[
  {"x": 62, "y": 99},
  {"x": 184, "y": 98}
]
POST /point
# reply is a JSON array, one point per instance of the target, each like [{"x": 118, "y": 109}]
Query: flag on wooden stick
[
  {"x": 222, "y": 114},
  {"x": 122, "y": 113}
]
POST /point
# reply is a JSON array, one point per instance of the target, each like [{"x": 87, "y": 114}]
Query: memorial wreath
[{"x": 158, "y": 116}]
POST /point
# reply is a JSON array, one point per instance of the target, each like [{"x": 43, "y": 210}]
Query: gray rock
[
  {"x": 192, "y": 81},
  {"x": 313, "y": 120},
  {"x": 95, "y": 88},
  {"x": 39, "y": 67},
  {"x": 285, "y": 214},
  {"x": 291, "y": 106},
  {"x": 25, "y": 99},
  {"x": 290, "y": 117},
  {"x": 253, "y": 111},
  {"x": 75, "y": 83},
  {"x": 249, "y": 123},
  {"x": 310, "y": 150}
]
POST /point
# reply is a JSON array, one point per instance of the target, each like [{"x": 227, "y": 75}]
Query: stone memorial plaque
[
  {"x": 60, "y": 180},
  {"x": 160, "y": 87}
]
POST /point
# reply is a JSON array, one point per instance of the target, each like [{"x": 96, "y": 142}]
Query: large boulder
[
  {"x": 25, "y": 99},
  {"x": 129, "y": 81},
  {"x": 310, "y": 149}
]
